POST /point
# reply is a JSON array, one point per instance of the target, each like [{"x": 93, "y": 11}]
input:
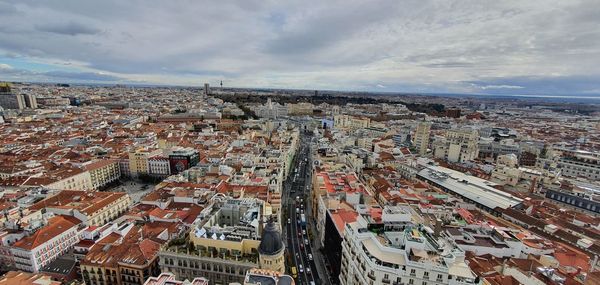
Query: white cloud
[
  {"x": 5, "y": 66},
  {"x": 501, "y": 87},
  {"x": 427, "y": 45}
]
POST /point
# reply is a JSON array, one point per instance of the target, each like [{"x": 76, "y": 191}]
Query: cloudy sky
[{"x": 487, "y": 47}]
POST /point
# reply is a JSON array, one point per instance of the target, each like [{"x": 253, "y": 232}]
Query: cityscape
[{"x": 299, "y": 148}]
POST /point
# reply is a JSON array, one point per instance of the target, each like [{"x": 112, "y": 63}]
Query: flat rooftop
[{"x": 473, "y": 188}]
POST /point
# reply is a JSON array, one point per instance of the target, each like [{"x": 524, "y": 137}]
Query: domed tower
[{"x": 271, "y": 249}]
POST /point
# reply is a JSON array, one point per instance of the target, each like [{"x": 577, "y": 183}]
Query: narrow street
[{"x": 297, "y": 198}]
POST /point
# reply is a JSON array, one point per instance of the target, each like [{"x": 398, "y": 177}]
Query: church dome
[{"x": 270, "y": 242}]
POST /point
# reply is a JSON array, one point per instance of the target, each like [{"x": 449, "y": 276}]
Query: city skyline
[
  {"x": 109, "y": 184},
  {"x": 422, "y": 47}
]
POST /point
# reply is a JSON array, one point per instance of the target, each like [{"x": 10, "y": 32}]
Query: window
[
  {"x": 413, "y": 272},
  {"x": 426, "y": 275},
  {"x": 411, "y": 281}
]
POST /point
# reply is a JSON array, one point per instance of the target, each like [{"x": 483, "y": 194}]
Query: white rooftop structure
[{"x": 475, "y": 189}]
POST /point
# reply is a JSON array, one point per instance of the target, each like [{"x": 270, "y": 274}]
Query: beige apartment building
[
  {"x": 459, "y": 145},
  {"x": 422, "y": 137},
  {"x": 350, "y": 122},
  {"x": 91, "y": 207},
  {"x": 103, "y": 172},
  {"x": 138, "y": 160}
]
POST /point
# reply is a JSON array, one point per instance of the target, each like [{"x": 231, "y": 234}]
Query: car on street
[
  {"x": 306, "y": 241},
  {"x": 289, "y": 221},
  {"x": 310, "y": 257},
  {"x": 300, "y": 269},
  {"x": 307, "y": 269},
  {"x": 303, "y": 232}
]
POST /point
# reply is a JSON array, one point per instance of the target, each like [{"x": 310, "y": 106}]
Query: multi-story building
[
  {"x": 300, "y": 109},
  {"x": 459, "y": 145},
  {"x": 8, "y": 171},
  {"x": 53, "y": 101},
  {"x": 158, "y": 166},
  {"x": 579, "y": 163},
  {"x": 92, "y": 208},
  {"x": 350, "y": 122},
  {"x": 398, "y": 252},
  {"x": 138, "y": 160},
  {"x": 206, "y": 89},
  {"x": 127, "y": 257},
  {"x": 24, "y": 278},
  {"x": 224, "y": 253},
  {"x": 491, "y": 149},
  {"x": 7, "y": 239},
  {"x": 271, "y": 110},
  {"x": 271, "y": 249},
  {"x": 403, "y": 138},
  {"x": 181, "y": 159},
  {"x": 522, "y": 178},
  {"x": 333, "y": 186},
  {"x": 9, "y": 99},
  {"x": 30, "y": 101},
  {"x": 422, "y": 137},
  {"x": 333, "y": 235},
  {"x": 103, "y": 172},
  {"x": 46, "y": 244},
  {"x": 124, "y": 165},
  {"x": 582, "y": 199},
  {"x": 65, "y": 178}
]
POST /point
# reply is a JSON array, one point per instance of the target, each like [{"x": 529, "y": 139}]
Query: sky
[{"x": 477, "y": 47}]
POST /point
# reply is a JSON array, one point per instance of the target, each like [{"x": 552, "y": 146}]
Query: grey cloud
[
  {"x": 10, "y": 72},
  {"x": 339, "y": 44},
  {"x": 449, "y": 64},
  {"x": 83, "y": 76},
  {"x": 485, "y": 87},
  {"x": 70, "y": 28},
  {"x": 6, "y": 9},
  {"x": 536, "y": 85}
]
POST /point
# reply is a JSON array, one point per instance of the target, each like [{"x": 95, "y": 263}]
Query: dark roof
[
  {"x": 270, "y": 242},
  {"x": 524, "y": 218},
  {"x": 62, "y": 266}
]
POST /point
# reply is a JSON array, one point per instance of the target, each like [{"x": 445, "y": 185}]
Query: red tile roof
[{"x": 56, "y": 226}]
